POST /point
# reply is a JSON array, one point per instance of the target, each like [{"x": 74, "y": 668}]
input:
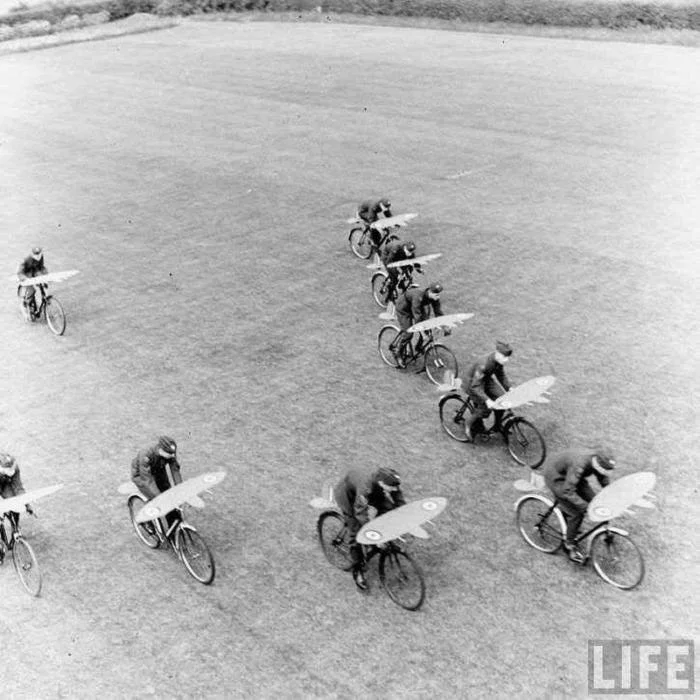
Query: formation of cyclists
[{"x": 156, "y": 468}]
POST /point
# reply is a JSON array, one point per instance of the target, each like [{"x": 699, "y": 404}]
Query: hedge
[{"x": 567, "y": 13}]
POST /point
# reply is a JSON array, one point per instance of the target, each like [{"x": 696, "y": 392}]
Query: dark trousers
[{"x": 573, "y": 515}]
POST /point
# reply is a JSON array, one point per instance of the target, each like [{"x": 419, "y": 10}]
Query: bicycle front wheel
[
  {"x": 402, "y": 579},
  {"x": 379, "y": 289},
  {"x": 26, "y": 566},
  {"x": 332, "y": 535},
  {"x": 55, "y": 318},
  {"x": 525, "y": 444},
  {"x": 617, "y": 559},
  {"x": 195, "y": 555},
  {"x": 540, "y": 525},
  {"x": 360, "y": 243},
  {"x": 387, "y": 337},
  {"x": 440, "y": 364},
  {"x": 146, "y": 532},
  {"x": 454, "y": 416}
]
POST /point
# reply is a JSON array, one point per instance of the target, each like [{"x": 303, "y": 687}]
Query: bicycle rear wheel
[
  {"x": 195, "y": 554},
  {"x": 146, "y": 532},
  {"x": 525, "y": 444},
  {"x": 402, "y": 579},
  {"x": 332, "y": 534},
  {"x": 26, "y": 566},
  {"x": 617, "y": 559},
  {"x": 360, "y": 242},
  {"x": 453, "y": 416},
  {"x": 55, "y": 318},
  {"x": 540, "y": 525},
  {"x": 387, "y": 336},
  {"x": 379, "y": 289},
  {"x": 439, "y": 363}
]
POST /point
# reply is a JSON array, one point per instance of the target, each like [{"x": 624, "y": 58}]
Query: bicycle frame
[
  {"x": 15, "y": 532},
  {"x": 604, "y": 525}
]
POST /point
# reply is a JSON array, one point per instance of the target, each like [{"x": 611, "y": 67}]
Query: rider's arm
[
  {"x": 361, "y": 508},
  {"x": 22, "y": 270},
  {"x": 571, "y": 485},
  {"x": 16, "y": 483},
  {"x": 399, "y": 499},
  {"x": 437, "y": 308},
  {"x": 476, "y": 384},
  {"x": 175, "y": 471},
  {"x": 501, "y": 376},
  {"x": 142, "y": 477}
]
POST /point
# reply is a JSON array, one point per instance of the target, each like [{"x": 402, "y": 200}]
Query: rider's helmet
[
  {"x": 410, "y": 246},
  {"x": 435, "y": 288},
  {"x": 504, "y": 348},
  {"x": 167, "y": 447},
  {"x": 37, "y": 253},
  {"x": 388, "y": 476},
  {"x": 603, "y": 460}
]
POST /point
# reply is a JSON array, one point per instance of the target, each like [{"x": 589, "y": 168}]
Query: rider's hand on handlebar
[
  {"x": 447, "y": 331},
  {"x": 29, "y": 509},
  {"x": 490, "y": 403}
]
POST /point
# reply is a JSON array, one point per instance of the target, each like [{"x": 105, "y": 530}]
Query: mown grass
[{"x": 203, "y": 200}]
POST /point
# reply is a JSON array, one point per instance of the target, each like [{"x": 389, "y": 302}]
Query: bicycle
[
  {"x": 612, "y": 552},
  {"x": 380, "y": 285},
  {"x": 360, "y": 240},
  {"x": 23, "y": 557},
  {"x": 187, "y": 543},
  {"x": 422, "y": 352},
  {"x": 524, "y": 442},
  {"x": 399, "y": 574},
  {"x": 49, "y": 308}
]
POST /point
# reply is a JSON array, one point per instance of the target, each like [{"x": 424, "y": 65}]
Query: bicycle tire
[
  {"x": 439, "y": 362},
  {"x": 55, "y": 316},
  {"x": 331, "y": 534},
  {"x": 146, "y": 532},
  {"x": 195, "y": 554},
  {"x": 387, "y": 335},
  {"x": 452, "y": 408},
  {"x": 525, "y": 443},
  {"x": 540, "y": 528},
  {"x": 611, "y": 551},
  {"x": 360, "y": 242},
  {"x": 379, "y": 282},
  {"x": 26, "y": 566},
  {"x": 402, "y": 579}
]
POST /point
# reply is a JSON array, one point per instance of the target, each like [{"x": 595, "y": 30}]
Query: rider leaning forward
[
  {"x": 414, "y": 306},
  {"x": 485, "y": 381},
  {"x": 566, "y": 475},
  {"x": 354, "y": 494},
  {"x": 370, "y": 211},
  {"x": 31, "y": 266},
  {"x": 156, "y": 469},
  {"x": 10, "y": 486}
]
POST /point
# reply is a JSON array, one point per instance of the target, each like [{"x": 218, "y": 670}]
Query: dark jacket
[
  {"x": 480, "y": 375},
  {"x": 149, "y": 471},
  {"x": 396, "y": 252},
  {"x": 31, "y": 268},
  {"x": 370, "y": 210},
  {"x": 414, "y": 302},
  {"x": 10, "y": 485},
  {"x": 566, "y": 475},
  {"x": 360, "y": 489}
]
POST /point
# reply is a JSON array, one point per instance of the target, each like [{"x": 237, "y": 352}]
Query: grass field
[{"x": 199, "y": 178}]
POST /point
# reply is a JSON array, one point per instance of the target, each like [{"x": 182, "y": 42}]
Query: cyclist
[
  {"x": 156, "y": 469},
  {"x": 10, "y": 485},
  {"x": 413, "y": 306},
  {"x": 485, "y": 381},
  {"x": 31, "y": 266},
  {"x": 396, "y": 252},
  {"x": 354, "y": 494},
  {"x": 567, "y": 475},
  {"x": 369, "y": 211}
]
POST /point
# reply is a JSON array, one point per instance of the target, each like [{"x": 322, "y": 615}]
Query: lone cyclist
[
  {"x": 370, "y": 211},
  {"x": 10, "y": 485},
  {"x": 567, "y": 475},
  {"x": 354, "y": 494},
  {"x": 156, "y": 469},
  {"x": 31, "y": 266},
  {"x": 485, "y": 381},
  {"x": 413, "y": 306},
  {"x": 397, "y": 251}
]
